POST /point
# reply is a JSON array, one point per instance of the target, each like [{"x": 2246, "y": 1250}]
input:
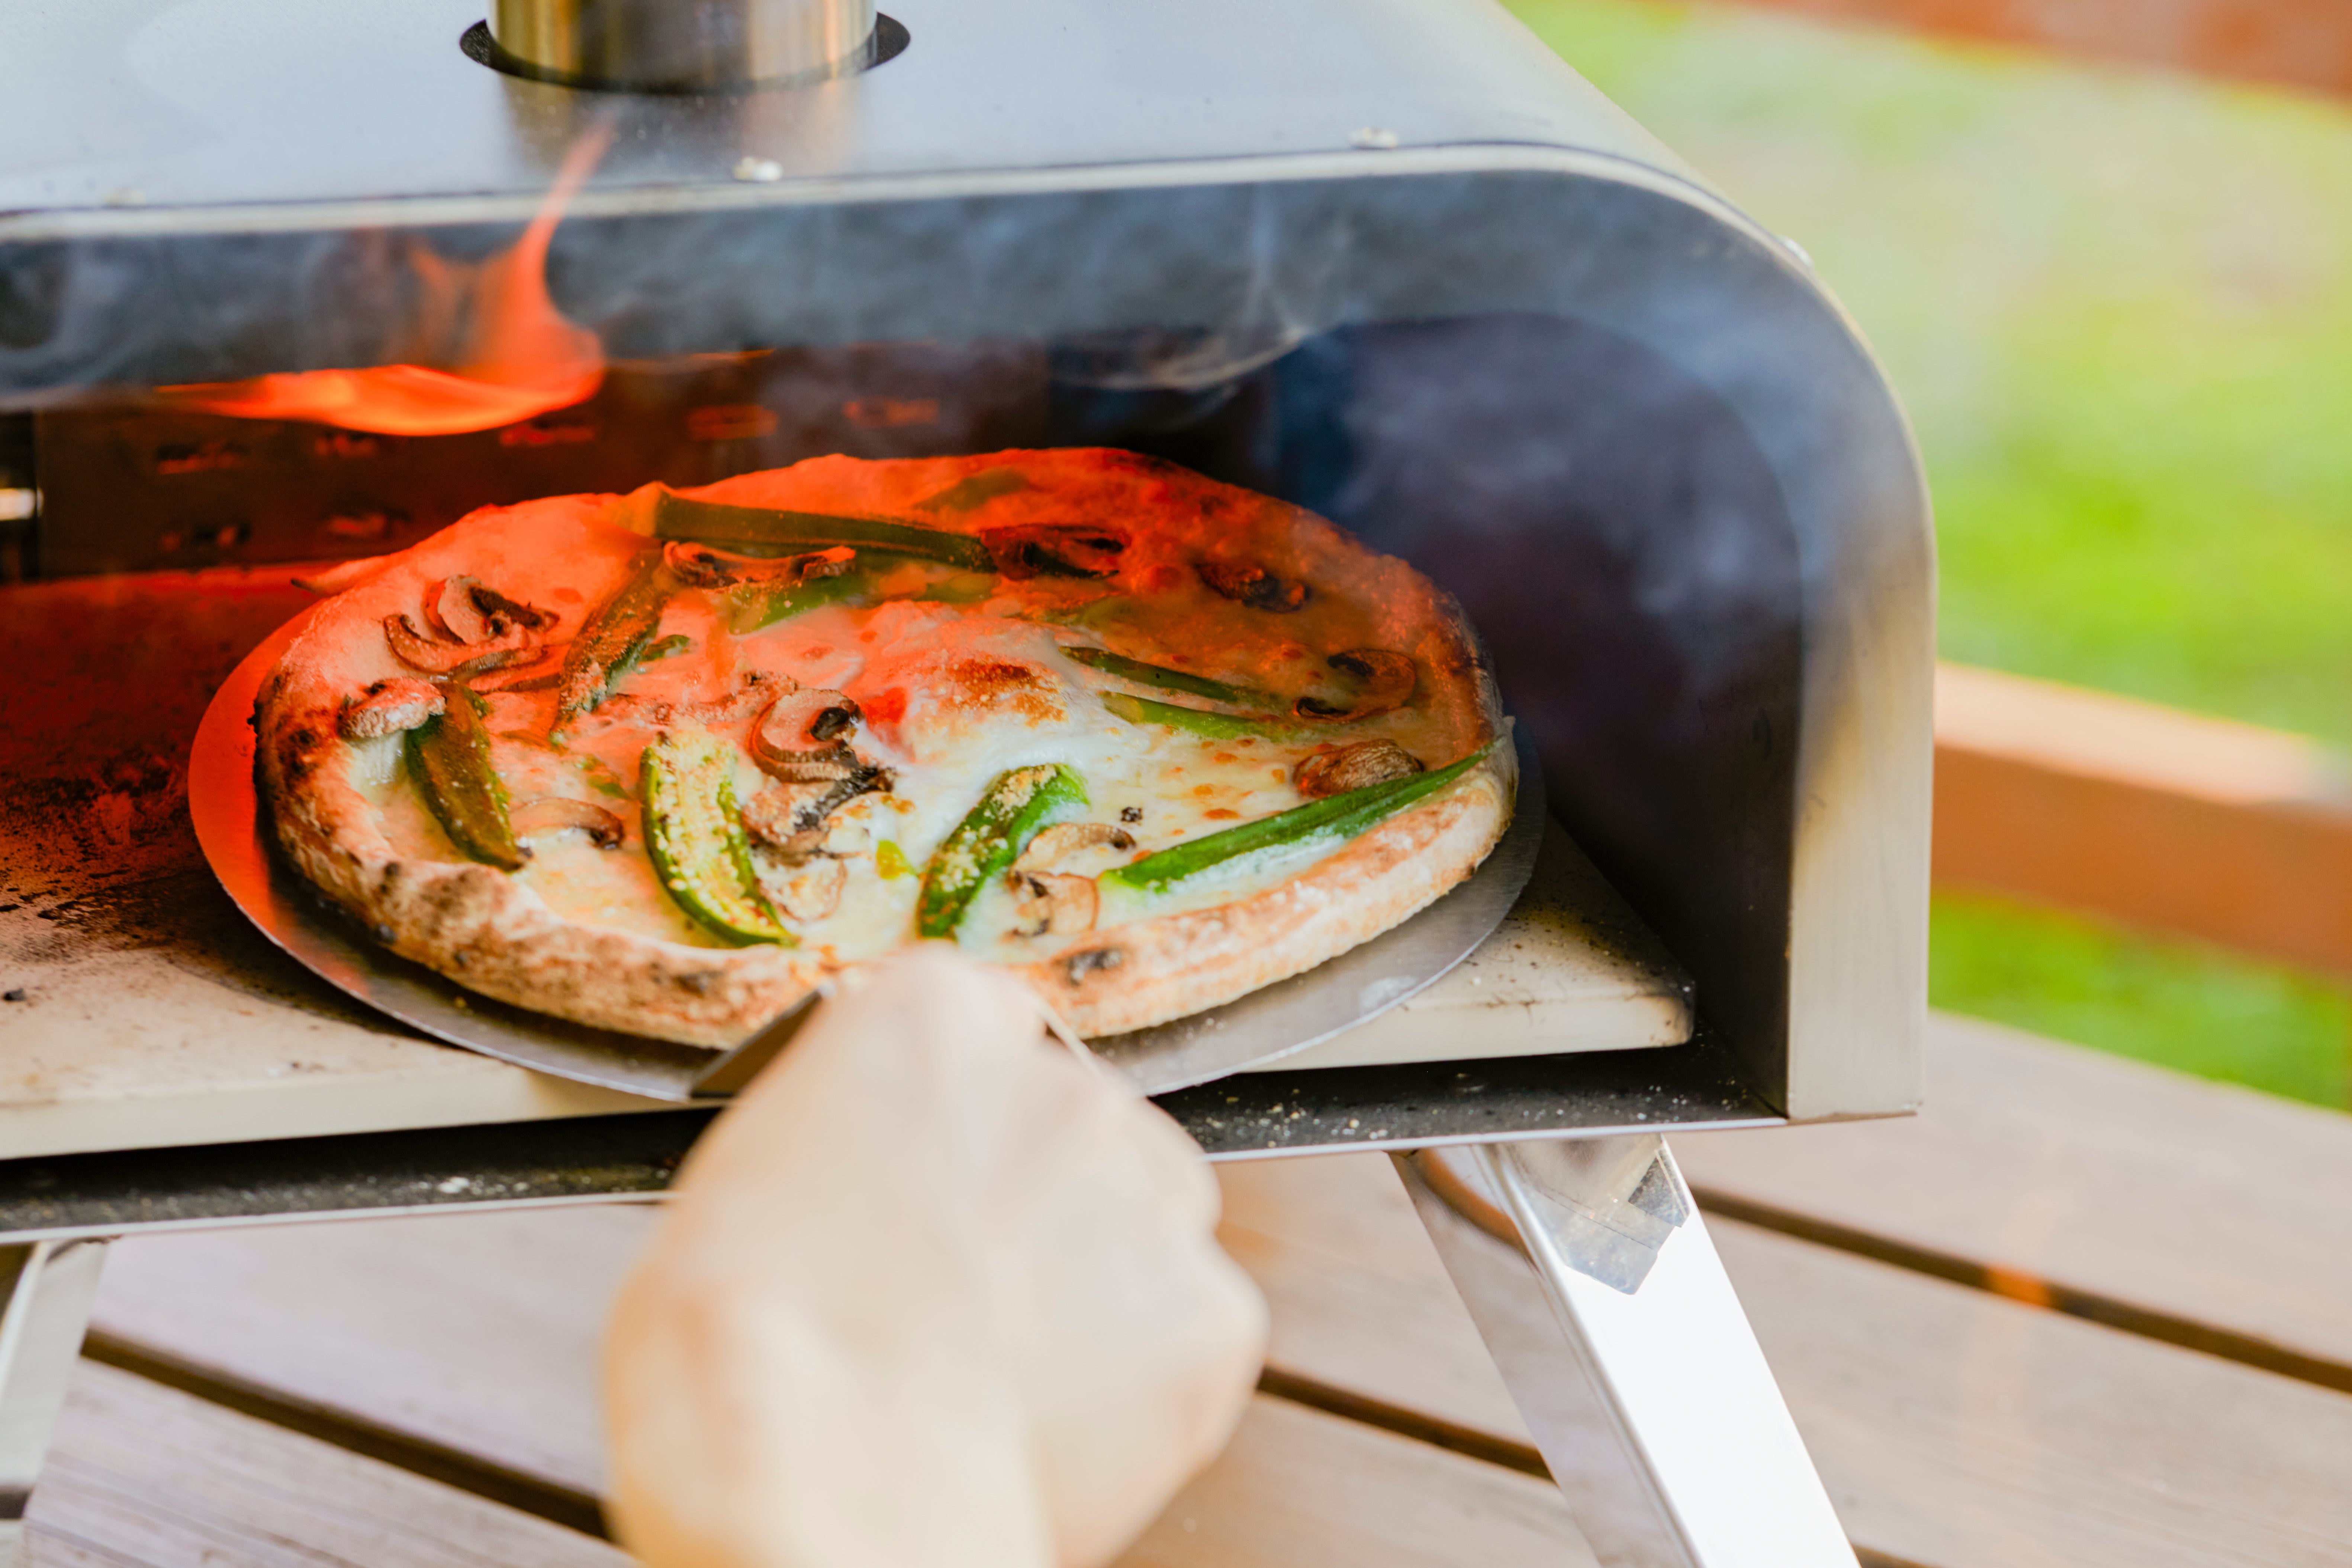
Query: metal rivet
[{"x": 759, "y": 170}]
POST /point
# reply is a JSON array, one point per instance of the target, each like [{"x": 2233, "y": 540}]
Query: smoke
[{"x": 1634, "y": 437}]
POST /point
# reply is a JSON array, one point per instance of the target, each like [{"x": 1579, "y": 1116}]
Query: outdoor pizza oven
[{"x": 1385, "y": 259}]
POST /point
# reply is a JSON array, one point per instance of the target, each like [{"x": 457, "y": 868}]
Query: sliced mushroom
[
  {"x": 802, "y": 736},
  {"x": 417, "y": 652},
  {"x": 1344, "y": 768},
  {"x": 796, "y": 819},
  {"x": 1379, "y": 682},
  {"x": 466, "y": 610},
  {"x": 1255, "y": 587},
  {"x": 535, "y": 818},
  {"x": 1048, "y": 903},
  {"x": 801, "y": 889},
  {"x": 706, "y": 566},
  {"x": 780, "y": 817},
  {"x": 387, "y": 708},
  {"x": 436, "y": 618},
  {"x": 1059, "y": 843},
  {"x": 1054, "y": 549}
]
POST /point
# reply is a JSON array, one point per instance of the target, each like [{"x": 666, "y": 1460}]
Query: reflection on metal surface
[
  {"x": 1644, "y": 1386},
  {"x": 685, "y": 45},
  {"x": 1607, "y": 1203},
  {"x": 514, "y": 356},
  {"x": 1268, "y": 1024}
]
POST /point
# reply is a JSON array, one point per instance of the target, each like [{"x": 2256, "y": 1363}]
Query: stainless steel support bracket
[
  {"x": 1599, "y": 1293},
  {"x": 46, "y": 1291}
]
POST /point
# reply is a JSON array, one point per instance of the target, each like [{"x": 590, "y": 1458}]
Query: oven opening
[{"x": 1605, "y": 523}]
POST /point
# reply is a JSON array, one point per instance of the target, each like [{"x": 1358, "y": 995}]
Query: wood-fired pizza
[{"x": 664, "y": 763}]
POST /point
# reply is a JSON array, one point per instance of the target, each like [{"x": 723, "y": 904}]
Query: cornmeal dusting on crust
[{"x": 949, "y": 678}]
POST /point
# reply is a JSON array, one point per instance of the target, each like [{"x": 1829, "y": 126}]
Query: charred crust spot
[
  {"x": 701, "y": 982},
  {"x": 1091, "y": 961},
  {"x": 304, "y": 738},
  {"x": 835, "y": 722},
  {"x": 1130, "y": 813}
]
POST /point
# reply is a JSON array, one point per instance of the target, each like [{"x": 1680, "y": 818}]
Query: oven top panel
[{"x": 123, "y": 107}]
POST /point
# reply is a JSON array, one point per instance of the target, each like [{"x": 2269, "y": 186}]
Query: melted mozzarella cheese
[{"x": 951, "y": 696}]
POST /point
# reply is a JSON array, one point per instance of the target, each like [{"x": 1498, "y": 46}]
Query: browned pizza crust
[
  {"x": 1132, "y": 976},
  {"x": 496, "y": 936},
  {"x": 470, "y": 921}
]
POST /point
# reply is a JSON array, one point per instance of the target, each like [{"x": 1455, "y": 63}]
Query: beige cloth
[{"x": 933, "y": 1293}]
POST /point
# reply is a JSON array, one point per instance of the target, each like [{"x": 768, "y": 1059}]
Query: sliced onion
[
  {"x": 417, "y": 652},
  {"x": 558, "y": 814},
  {"x": 1059, "y": 843},
  {"x": 389, "y": 707}
]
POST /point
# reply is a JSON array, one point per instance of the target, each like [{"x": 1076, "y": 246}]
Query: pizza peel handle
[{"x": 1263, "y": 1027}]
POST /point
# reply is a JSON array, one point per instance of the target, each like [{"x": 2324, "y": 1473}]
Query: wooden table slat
[
  {"x": 1298, "y": 1489},
  {"x": 2056, "y": 1168},
  {"x": 144, "y": 1475},
  {"x": 1954, "y": 1427}
]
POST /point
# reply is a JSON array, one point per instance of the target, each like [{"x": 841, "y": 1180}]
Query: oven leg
[
  {"x": 46, "y": 1291},
  {"x": 1598, "y": 1290}
]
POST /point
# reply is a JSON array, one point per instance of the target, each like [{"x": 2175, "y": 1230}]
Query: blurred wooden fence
[
  {"x": 2294, "y": 43},
  {"x": 2163, "y": 820}
]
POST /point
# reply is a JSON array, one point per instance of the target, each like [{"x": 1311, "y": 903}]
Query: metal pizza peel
[{"x": 1263, "y": 1026}]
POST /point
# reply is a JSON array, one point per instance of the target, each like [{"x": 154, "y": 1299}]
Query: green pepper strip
[
  {"x": 766, "y": 608},
  {"x": 711, "y": 523},
  {"x": 613, "y": 639},
  {"x": 449, "y": 757},
  {"x": 1336, "y": 817},
  {"x": 1143, "y": 674},
  {"x": 1199, "y": 721},
  {"x": 989, "y": 839},
  {"x": 697, "y": 840}
]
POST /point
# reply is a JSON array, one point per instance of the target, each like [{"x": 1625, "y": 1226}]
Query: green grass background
[{"x": 2119, "y": 306}]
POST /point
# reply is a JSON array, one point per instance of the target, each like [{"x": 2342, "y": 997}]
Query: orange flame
[{"x": 519, "y": 357}]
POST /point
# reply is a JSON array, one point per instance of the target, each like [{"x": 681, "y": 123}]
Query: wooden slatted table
[{"x": 2079, "y": 1312}]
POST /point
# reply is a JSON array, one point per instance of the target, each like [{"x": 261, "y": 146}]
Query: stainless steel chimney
[{"x": 685, "y": 45}]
